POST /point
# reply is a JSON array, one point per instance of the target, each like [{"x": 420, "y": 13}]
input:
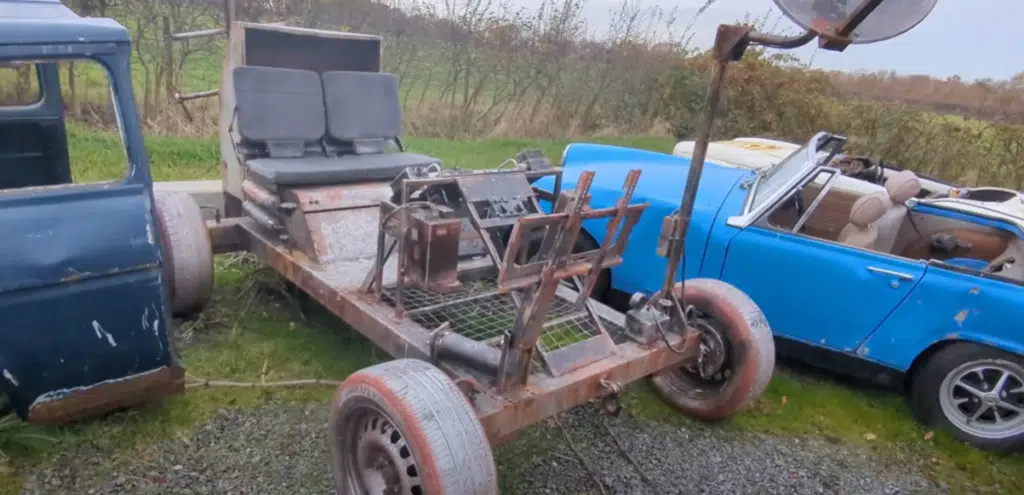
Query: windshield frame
[{"x": 806, "y": 157}]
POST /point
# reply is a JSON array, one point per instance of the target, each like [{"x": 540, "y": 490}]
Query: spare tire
[{"x": 188, "y": 253}]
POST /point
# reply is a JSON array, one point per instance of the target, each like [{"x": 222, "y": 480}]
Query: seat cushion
[{"x": 319, "y": 171}]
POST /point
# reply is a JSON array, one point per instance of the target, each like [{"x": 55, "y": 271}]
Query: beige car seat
[
  {"x": 862, "y": 232},
  {"x": 901, "y": 187}
]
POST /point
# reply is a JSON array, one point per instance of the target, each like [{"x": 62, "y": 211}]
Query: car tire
[
  {"x": 188, "y": 263},
  {"x": 420, "y": 426},
  {"x": 960, "y": 381},
  {"x": 749, "y": 354}
]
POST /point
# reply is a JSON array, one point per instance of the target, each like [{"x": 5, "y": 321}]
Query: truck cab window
[
  {"x": 19, "y": 85},
  {"x": 44, "y": 105}
]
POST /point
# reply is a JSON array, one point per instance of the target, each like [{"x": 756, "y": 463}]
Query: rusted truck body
[{"x": 84, "y": 302}]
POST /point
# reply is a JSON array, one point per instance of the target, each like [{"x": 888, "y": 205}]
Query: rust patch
[
  {"x": 327, "y": 198},
  {"x": 76, "y": 275},
  {"x": 84, "y": 402},
  {"x": 960, "y": 317}
]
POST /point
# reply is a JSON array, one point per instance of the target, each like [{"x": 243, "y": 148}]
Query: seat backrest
[
  {"x": 363, "y": 110},
  {"x": 861, "y": 231},
  {"x": 282, "y": 109},
  {"x": 901, "y": 187}
]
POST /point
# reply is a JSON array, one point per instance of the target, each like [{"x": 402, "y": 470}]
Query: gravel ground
[{"x": 280, "y": 449}]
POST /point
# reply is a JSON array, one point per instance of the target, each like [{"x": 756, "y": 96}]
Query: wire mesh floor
[{"x": 479, "y": 312}]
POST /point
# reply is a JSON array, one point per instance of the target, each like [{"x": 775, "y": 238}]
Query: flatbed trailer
[
  {"x": 587, "y": 360},
  {"x": 480, "y": 294}
]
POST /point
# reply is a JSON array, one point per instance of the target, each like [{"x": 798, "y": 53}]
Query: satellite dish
[{"x": 890, "y": 19}]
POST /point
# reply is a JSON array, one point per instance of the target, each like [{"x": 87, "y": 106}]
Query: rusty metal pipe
[
  {"x": 181, "y": 98},
  {"x": 781, "y": 42},
  {"x": 198, "y": 34},
  {"x": 682, "y": 222},
  {"x": 261, "y": 216},
  {"x": 730, "y": 44},
  {"x": 260, "y": 195},
  {"x": 450, "y": 346}
]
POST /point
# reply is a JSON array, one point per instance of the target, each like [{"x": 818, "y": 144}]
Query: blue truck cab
[{"x": 87, "y": 272}]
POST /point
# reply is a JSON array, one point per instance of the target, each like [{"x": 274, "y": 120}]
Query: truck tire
[{"x": 188, "y": 253}]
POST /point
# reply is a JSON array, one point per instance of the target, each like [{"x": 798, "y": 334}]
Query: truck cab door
[{"x": 82, "y": 301}]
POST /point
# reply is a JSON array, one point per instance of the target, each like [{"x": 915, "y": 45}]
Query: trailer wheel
[
  {"x": 188, "y": 266},
  {"x": 404, "y": 427},
  {"x": 739, "y": 331}
]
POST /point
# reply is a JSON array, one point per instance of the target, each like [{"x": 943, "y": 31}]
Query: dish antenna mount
[{"x": 836, "y": 24}]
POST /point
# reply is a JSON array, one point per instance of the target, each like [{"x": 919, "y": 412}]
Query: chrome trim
[
  {"x": 817, "y": 200},
  {"x": 899, "y": 275},
  {"x": 750, "y": 215},
  {"x": 751, "y": 189},
  {"x": 564, "y": 153}
]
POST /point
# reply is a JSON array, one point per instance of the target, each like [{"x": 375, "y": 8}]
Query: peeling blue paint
[{"x": 79, "y": 263}]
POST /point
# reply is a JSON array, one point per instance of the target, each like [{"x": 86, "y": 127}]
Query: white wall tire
[
  {"x": 188, "y": 253},
  {"x": 404, "y": 427}
]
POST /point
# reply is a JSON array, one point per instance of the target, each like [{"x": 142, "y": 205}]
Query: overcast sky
[{"x": 969, "y": 38}]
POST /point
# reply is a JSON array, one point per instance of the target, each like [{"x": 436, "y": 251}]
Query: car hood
[
  {"x": 662, "y": 177},
  {"x": 750, "y": 153}
]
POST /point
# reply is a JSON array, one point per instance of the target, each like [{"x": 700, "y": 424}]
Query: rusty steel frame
[
  {"x": 502, "y": 413},
  {"x": 406, "y": 189},
  {"x": 507, "y": 393}
]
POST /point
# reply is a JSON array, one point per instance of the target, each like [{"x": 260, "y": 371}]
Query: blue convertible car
[{"x": 867, "y": 280}]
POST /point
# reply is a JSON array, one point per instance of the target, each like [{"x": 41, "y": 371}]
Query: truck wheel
[
  {"x": 188, "y": 263},
  {"x": 738, "y": 331},
  {"x": 403, "y": 427},
  {"x": 974, "y": 391}
]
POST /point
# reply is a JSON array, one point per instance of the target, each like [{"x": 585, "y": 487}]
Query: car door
[
  {"x": 817, "y": 291},
  {"x": 81, "y": 296}
]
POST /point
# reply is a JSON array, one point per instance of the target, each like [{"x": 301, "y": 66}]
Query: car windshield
[
  {"x": 777, "y": 176},
  {"x": 823, "y": 147}
]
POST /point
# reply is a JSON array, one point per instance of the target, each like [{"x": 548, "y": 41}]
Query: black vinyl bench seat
[{"x": 311, "y": 130}]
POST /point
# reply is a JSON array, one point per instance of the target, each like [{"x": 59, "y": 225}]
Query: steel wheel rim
[
  {"x": 377, "y": 458},
  {"x": 985, "y": 398},
  {"x": 691, "y": 384}
]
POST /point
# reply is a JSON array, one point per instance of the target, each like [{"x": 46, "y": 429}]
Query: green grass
[
  {"x": 96, "y": 156},
  {"x": 245, "y": 338}
]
